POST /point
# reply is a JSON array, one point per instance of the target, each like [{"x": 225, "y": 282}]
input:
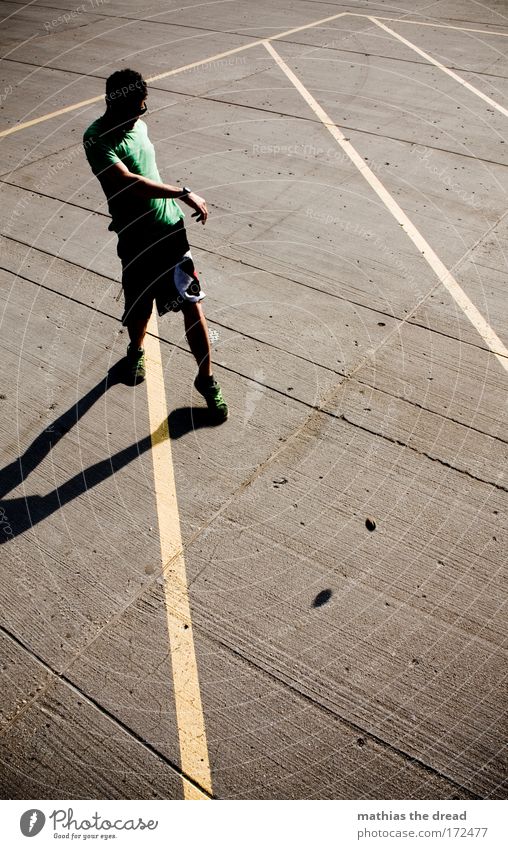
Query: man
[{"x": 152, "y": 242}]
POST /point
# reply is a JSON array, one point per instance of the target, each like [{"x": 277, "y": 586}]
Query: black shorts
[{"x": 159, "y": 269}]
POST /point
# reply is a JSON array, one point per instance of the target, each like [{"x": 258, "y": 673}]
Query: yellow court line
[
  {"x": 188, "y": 706},
  {"x": 488, "y": 335},
  {"x": 73, "y": 106},
  {"x": 189, "y": 711},
  {"x": 441, "y": 67},
  {"x": 429, "y": 24},
  {"x": 25, "y": 124},
  {"x": 304, "y": 26}
]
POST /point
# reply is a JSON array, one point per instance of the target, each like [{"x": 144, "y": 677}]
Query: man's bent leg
[
  {"x": 136, "y": 328},
  {"x": 196, "y": 331}
]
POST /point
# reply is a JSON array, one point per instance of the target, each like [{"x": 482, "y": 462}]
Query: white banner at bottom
[{"x": 228, "y": 824}]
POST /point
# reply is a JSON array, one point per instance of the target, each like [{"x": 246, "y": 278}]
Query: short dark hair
[{"x": 125, "y": 87}]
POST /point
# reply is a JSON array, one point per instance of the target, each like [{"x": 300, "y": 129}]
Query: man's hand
[{"x": 199, "y": 204}]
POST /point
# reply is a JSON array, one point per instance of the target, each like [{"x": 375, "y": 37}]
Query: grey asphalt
[{"x": 334, "y": 661}]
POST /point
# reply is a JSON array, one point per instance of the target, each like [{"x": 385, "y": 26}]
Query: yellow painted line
[
  {"x": 441, "y": 67},
  {"x": 488, "y": 335},
  {"x": 428, "y": 24},
  {"x": 25, "y": 124},
  {"x": 202, "y": 61},
  {"x": 191, "y": 792},
  {"x": 243, "y": 47},
  {"x": 189, "y": 711},
  {"x": 304, "y": 26}
]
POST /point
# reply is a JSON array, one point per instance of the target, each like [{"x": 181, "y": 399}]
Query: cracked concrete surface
[{"x": 357, "y": 390}]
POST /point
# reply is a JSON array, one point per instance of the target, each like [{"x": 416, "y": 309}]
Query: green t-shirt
[{"x": 130, "y": 216}]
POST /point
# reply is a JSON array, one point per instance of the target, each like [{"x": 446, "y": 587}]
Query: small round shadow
[{"x": 322, "y": 598}]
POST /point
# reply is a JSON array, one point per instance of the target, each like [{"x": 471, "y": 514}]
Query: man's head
[{"x": 126, "y": 92}]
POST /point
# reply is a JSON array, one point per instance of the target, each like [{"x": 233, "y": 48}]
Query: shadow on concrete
[
  {"x": 19, "y": 514},
  {"x": 322, "y": 598},
  {"x": 184, "y": 419}
]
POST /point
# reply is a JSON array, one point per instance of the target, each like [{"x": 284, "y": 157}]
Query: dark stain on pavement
[{"x": 322, "y": 598}]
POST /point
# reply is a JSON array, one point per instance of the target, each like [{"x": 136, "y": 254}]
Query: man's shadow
[{"x": 19, "y": 514}]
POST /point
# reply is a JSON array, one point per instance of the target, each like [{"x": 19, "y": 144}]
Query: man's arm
[{"x": 117, "y": 179}]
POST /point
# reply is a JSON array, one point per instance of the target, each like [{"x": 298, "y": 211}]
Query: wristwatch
[{"x": 186, "y": 191}]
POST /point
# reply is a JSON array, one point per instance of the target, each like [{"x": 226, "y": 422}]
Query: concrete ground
[{"x": 283, "y": 649}]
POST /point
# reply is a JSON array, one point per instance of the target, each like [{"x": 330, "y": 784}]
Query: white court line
[
  {"x": 441, "y": 67},
  {"x": 488, "y": 335},
  {"x": 430, "y": 24}
]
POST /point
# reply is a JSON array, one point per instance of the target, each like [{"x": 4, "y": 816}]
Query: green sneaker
[
  {"x": 213, "y": 397},
  {"x": 136, "y": 364}
]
